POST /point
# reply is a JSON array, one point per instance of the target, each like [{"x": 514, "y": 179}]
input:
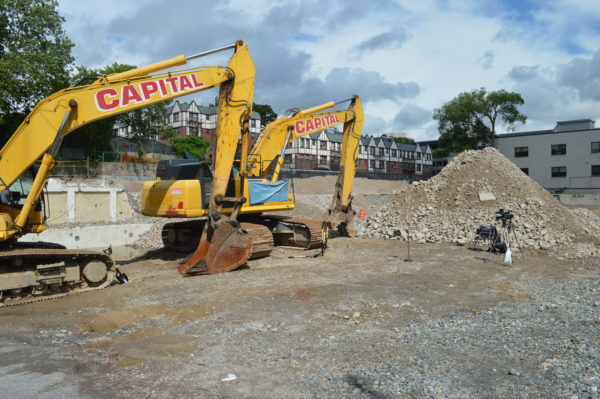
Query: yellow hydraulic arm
[
  {"x": 271, "y": 145},
  {"x": 60, "y": 114}
]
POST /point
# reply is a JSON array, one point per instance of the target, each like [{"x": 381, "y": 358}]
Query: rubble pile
[{"x": 466, "y": 194}]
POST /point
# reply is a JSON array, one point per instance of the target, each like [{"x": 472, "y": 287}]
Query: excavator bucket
[
  {"x": 224, "y": 246},
  {"x": 338, "y": 216}
]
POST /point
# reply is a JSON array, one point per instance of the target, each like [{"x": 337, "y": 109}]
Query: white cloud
[{"x": 404, "y": 58}]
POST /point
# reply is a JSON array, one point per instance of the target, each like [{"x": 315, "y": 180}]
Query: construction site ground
[{"x": 359, "y": 322}]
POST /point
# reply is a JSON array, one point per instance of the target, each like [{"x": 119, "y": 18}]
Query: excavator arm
[
  {"x": 272, "y": 143},
  {"x": 53, "y": 118}
]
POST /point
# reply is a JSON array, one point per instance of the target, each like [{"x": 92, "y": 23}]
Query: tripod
[{"x": 504, "y": 232}]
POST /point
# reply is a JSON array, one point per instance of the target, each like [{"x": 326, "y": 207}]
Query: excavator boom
[
  {"x": 181, "y": 191},
  {"x": 272, "y": 143},
  {"x": 41, "y": 134}
]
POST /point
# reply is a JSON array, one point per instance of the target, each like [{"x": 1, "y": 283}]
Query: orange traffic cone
[{"x": 361, "y": 214}]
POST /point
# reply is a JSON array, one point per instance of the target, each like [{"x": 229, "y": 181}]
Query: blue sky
[{"x": 405, "y": 58}]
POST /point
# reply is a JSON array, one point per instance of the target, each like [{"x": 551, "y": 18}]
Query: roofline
[
  {"x": 577, "y": 120},
  {"x": 541, "y": 132}
]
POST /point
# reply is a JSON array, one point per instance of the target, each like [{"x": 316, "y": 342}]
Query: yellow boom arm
[
  {"x": 65, "y": 111},
  {"x": 271, "y": 145},
  {"x": 270, "y": 149}
]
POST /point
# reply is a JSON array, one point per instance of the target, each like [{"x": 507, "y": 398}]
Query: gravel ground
[{"x": 358, "y": 323}]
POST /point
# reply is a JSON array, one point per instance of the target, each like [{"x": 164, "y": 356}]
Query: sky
[{"x": 404, "y": 58}]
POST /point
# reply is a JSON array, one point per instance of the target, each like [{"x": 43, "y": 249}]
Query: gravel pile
[{"x": 466, "y": 194}]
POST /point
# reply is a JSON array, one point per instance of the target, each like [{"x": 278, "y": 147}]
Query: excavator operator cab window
[{"x": 17, "y": 192}]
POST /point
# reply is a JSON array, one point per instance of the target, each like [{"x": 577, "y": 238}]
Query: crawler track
[
  {"x": 31, "y": 274},
  {"x": 266, "y": 232}
]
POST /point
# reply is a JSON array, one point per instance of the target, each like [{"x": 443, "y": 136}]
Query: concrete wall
[
  {"x": 142, "y": 171},
  {"x": 580, "y": 199},
  {"x": 83, "y": 203}
]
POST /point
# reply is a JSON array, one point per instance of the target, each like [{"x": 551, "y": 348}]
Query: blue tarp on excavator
[{"x": 261, "y": 193}]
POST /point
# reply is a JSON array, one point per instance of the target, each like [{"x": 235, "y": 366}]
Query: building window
[
  {"x": 558, "y": 149},
  {"x": 387, "y": 151},
  {"x": 381, "y": 152},
  {"x": 193, "y": 131},
  {"x": 595, "y": 147},
  {"x": 525, "y": 170},
  {"x": 418, "y": 155},
  {"x": 193, "y": 116},
  {"x": 521, "y": 152},
  {"x": 372, "y": 164},
  {"x": 313, "y": 142},
  {"x": 418, "y": 167},
  {"x": 394, "y": 153},
  {"x": 323, "y": 144},
  {"x": 595, "y": 170},
  {"x": 288, "y": 158},
  {"x": 559, "y": 171},
  {"x": 381, "y": 164},
  {"x": 323, "y": 160},
  {"x": 372, "y": 150},
  {"x": 175, "y": 116}
]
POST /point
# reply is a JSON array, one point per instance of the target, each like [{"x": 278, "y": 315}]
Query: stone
[{"x": 486, "y": 196}]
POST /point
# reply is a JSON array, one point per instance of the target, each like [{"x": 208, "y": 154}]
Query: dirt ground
[
  {"x": 358, "y": 322},
  {"x": 284, "y": 327}
]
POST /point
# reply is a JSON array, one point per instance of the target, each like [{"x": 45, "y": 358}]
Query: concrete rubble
[{"x": 448, "y": 208}]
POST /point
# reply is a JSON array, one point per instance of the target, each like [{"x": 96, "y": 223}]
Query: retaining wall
[{"x": 83, "y": 203}]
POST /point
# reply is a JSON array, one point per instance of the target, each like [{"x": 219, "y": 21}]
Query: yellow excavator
[
  {"x": 36, "y": 269},
  {"x": 183, "y": 190}
]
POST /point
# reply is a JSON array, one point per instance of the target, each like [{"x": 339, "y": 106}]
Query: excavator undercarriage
[
  {"x": 40, "y": 271},
  {"x": 265, "y": 231}
]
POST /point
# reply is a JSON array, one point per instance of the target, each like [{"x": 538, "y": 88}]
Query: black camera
[{"x": 503, "y": 215}]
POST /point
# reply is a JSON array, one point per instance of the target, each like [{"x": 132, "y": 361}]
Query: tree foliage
[
  {"x": 194, "y": 145},
  {"x": 469, "y": 120},
  {"x": 148, "y": 123},
  {"x": 35, "y": 58},
  {"x": 267, "y": 115},
  {"x": 95, "y": 137},
  {"x": 403, "y": 140}
]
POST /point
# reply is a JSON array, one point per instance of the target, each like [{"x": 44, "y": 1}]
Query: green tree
[
  {"x": 267, "y": 115},
  {"x": 95, "y": 137},
  {"x": 403, "y": 140},
  {"x": 148, "y": 123},
  {"x": 194, "y": 145},
  {"x": 469, "y": 120},
  {"x": 35, "y": 58}
]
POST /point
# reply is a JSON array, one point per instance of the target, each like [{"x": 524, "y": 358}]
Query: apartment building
[
  {"x": 565, "y": 157},
  {"x": 191, "y": 119},
  {"x": 378, "y": 155}
]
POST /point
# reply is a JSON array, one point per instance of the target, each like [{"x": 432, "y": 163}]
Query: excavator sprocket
[{"x": 223, "y": 247}]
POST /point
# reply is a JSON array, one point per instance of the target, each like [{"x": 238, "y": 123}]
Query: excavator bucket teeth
[{"x": 225, "y": 248}]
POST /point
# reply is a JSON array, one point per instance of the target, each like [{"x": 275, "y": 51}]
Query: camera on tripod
[
  {"x": 503, "y": 215},
  {"x": 497, "y": 238}
]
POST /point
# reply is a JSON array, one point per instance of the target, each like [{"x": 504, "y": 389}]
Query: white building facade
[{"x": 566, "y": 157}]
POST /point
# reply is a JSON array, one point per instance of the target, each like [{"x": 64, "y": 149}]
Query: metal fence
[{"x": 71, "y": 169}]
